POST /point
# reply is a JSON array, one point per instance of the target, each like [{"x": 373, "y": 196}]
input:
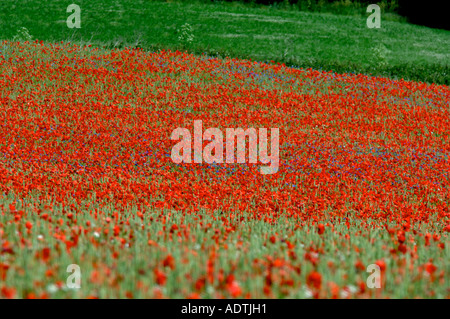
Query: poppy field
[{"x": 87, "y": 179}]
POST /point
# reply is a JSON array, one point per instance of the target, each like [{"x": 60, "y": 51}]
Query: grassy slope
[{"x": 318, "y": 40}]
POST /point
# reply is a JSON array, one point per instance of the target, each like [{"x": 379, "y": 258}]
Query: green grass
[{"x": 342, "y": 43}]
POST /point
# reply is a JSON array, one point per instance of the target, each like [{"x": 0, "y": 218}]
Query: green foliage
[
  {"x": 431, "y": 13},
  {"x": 378, "y": 59},
  {"x": 186, "y": 35},
  {"x": 23, "y": 35}
]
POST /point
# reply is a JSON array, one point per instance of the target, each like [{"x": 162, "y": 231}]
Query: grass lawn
[{"x": 318, "y": 40}]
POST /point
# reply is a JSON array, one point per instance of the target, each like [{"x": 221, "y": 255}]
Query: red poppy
[{"x": 314, "y": 279}]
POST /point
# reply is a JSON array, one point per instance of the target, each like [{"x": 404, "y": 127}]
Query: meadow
[
  {"x": 318, "y": 40},
  {"x": 86, "y": 178}
]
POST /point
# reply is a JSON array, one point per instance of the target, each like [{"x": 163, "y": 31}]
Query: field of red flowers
[{"x": 86, "y": 178}]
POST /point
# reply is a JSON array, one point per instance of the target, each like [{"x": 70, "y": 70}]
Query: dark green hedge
[{"x": 431, "y": 13}]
